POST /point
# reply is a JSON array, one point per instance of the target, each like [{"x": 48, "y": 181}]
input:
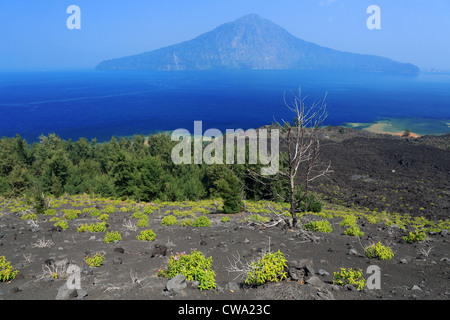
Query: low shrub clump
[
  {"x": 321, "y": 226},
  {"x": 169, "y": 220},
  {"x": 350, "y": 276},
  {"x": 96, "y": 260},
  {"x": 379, "y": 251},
  {"x": 146, "y": 235},
  {"x": 95, "y": 227},
  {"x": 112, "y": 236},
  {"x": 7, "y": 273},
  {"x": 194, "y": 266},
  {"x": 270, "y": 267},
  {"x": 353, "y": 231},
  {"x": 201, "y": 221},
  {"x": 415, "y": 236}
]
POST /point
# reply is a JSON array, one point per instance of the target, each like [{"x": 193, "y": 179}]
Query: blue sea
[{"x": 102, "y": 104}]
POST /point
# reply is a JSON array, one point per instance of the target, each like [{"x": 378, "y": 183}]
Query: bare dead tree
[{"x": 300, "y": 162}]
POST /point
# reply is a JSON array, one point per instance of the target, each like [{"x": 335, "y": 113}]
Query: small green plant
[
  {"x": 95, "y": 227},
  {"x": 70, "y": 214},
  {"x": 112, "y": 236},
  {"x": 95, "y": 261},
  {"x": 321, "y": 226},
  {"x": 193, "y": 266},
  {"x": 50, "y": 212},
  {"x": 270, "y": 267},
  {"x": 379, "y": 251},
  {"x": 62, "y": 223},
  {"x": 348, "y": 221},
  {"x": 169, "y": 220},
  {"x": 110, "y": 209},
  {"x": 103, "y": 217},
  {"x": 7, "y": 273},
  {"x": 29, "y": 216},
  {"x": 146, "y": 235},
  {"x": 201, "y": 221},
  {"x": 142, "y": 222},
  {"x": 256, "y": 218},
  {"x": 187, "y": 222},
  {"x": 353, "y": 231},
  {"x": 415, "y": 236},
  {"x": 225, "y": 219},
  {"x": 350, "y": 276}
]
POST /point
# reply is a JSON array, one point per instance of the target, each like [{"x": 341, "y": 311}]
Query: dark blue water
[{"x": 102, "y": 104}]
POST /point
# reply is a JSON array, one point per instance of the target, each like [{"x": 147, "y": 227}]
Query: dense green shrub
[
  {"x": 169, "y": 220},
  {"x": 193, "y": 266},
  {"x": 270, "y": 267},
  {"x": 7, "y": 273},
  {"x": 201, "y": 221},
  {"x": 321, "y": 226},
  {"x": 146, "y": 235},
  {"x": 112, "y": 236},
  {"x": 350, "y": 276},
  {"x": 379, "y": 251}
]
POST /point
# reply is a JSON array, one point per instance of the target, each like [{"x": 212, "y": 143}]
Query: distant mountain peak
[{"x": 253, "y": 42}]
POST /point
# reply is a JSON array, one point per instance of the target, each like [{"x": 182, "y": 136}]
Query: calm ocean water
[{"x": 102, "y": 104}]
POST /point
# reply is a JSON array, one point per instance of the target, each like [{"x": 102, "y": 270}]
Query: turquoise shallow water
[{"x": 96, "y": 104}]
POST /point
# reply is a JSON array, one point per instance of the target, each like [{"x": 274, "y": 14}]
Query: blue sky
[{"x": 34, "y": 35}]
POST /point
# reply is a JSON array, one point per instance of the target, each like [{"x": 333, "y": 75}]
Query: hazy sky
[{"x": 34, "y": 35}]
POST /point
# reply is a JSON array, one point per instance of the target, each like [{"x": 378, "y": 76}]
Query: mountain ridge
[{"x": 253, "y": 42}]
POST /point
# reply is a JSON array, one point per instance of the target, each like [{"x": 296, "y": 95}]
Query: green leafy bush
[
  {"x": 110, "y": 209},
  {"x": 169, "y": 220},
  {"x": 96, "y": 260},
  {"x": 146, "y": 235},
  {"x": 50, "y": 212},
  {"x": 321, "y": 226},
  {"x": 143, "y": 222},
  {"x": 350, "y": 276},
  {"x": 62, "y": 223},
  {"x": 379, "y": 251},
  {"x": 257, "y": 218},
  {"x": 348, "y": 221},
  {"x": 193, "y": 266},
  {"x": 7, "y": 273},
  {"x": 103, "y": 217},
  {"x": 201, "y": 221},
  {"x": 415, "y": 236},
  {"x": 225, "y": 219},
  {"x": 70, "y": 214},
  {"x": 29, "y": 216},
  {"x": 187, "y": 222},
  {"x": 353, "y": 231},
  {"x": 270, "y": 267},
  {"x": 95, "y": 227},
  {"x": 112, "y": 236}
]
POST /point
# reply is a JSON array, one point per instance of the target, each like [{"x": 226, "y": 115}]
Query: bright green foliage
[
  {"x": 7, "y": 273},
  {"x": 142, "y": 222},
  {"x": 103, "y": 217},
  {"x": 187, "y": 222},
  {"x": 225, "y": 219},
  {"x": 70, "y": 214},
  {"x": 415, "y": 236},
  {"x": 378, "y": 251},
  {"x": 321, "y": 226},
  {"x": 147, "y": 235},
  {"x": 350, "y": 276},
  {"x": 169, "y": 220},
  {"x": 95, "y": 261},
  {"x": 348, "y": 221},
  {"x": 50, "y": 212},
  {"x": 193, "y": 266},
  {"x": 95, "y": 227},
  {"x": 112, "y": 236},
  {"x": 270, "y": 267},
  {"x": 256, "y": 218},
  {"x": 110, "y": 209},
  {"x": 62, "y": 223},
  {"x": 353, "y": 231},
  {"x": 201, "y": 221},
  {"x": 29, "y": 216}
]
